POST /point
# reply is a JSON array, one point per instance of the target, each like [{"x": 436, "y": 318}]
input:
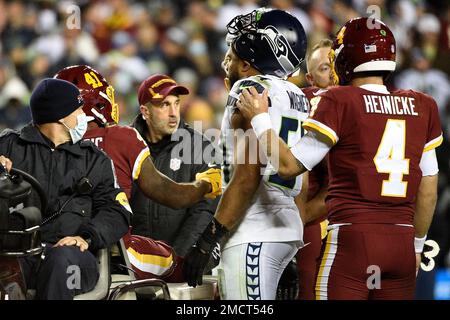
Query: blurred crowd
[{"x": 129, "y": 40}]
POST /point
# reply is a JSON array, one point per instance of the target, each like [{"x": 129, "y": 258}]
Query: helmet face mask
[
  {"x": 97, "y": 93},
  {"x": 272, "y": 41},
  {"x": 114, "y": 105},
  {"x": 334, "y": 75},
  {"x": 244, "y": 23}
]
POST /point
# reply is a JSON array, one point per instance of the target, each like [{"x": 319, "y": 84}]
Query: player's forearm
[
  {"x": 425, "y": 205},
  {"x": 245, "y": 181},
  {"x": 235, "y": 201},
  {"x": 315, "y": 207},
  {"x": 240, "y": 191},
  {"x": 279, "y": 154},
  {"x": 175, "y": 195},
  {"x": 188, "y": 194},
  {"x": 276, "y": 150},
  {"x": 165, "y": 191}
]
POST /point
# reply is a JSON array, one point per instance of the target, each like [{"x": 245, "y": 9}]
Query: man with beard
[{"x": 257, "y": 218}]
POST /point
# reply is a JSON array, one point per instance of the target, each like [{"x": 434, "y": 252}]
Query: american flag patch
[{"x": 368, "y": 48}]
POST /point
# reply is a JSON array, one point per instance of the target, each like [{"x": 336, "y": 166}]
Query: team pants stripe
[
  {"x": 326, "y": 264},
  {"x": 253, "y": 281}
]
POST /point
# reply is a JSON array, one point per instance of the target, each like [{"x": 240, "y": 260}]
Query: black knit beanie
[{"x": 54, "y": 99}]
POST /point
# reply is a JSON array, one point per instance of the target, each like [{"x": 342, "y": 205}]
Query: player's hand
[
  {"x": 214, "y": 178},
  {"x": 251, "y": 103},
  {"x": 418, "y": 261},
  {"x": 194, "y": 265},
  {"x": 5, "y": 162},
  {"x": 73, "y": 241},
  {"x": 198, "y": 256}
]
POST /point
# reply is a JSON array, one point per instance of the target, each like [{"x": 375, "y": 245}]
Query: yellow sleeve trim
[
  {"x": 434, "y": 145},
  {"x": 139, "y": 161},
  {"x": 123, "y": 200},
  {"x": 164, "y": 262},
  {"x": 323, "y": 229},
  {"x": 309, "y": 125}
]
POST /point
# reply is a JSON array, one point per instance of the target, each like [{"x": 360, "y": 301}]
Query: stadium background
[{"x": 130, "y": 40}]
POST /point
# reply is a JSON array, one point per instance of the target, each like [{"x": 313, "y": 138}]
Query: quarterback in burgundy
[{"x": 382, "y": 167}]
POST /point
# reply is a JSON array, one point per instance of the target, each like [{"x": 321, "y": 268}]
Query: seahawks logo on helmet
[
  {"x": 281, "y": 48},
  {"x": 272, "y": 41}
]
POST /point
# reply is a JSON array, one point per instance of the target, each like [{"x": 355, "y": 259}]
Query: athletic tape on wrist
[
  {"x": 261, "y": 123},
  {"x": 419, "y": 243}
]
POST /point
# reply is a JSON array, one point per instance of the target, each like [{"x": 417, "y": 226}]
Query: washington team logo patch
[{"x": 175, "y": 164}]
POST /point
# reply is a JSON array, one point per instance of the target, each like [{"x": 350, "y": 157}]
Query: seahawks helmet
[{"x": 272, "y": 41}]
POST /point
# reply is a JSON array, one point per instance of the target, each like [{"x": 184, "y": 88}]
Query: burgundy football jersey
[
  {"x": 311, "y": 92},
  {"x": 318, "y": 176},
  {"x": 378, "y": 142},
  {"x": 127, "y": 149}
]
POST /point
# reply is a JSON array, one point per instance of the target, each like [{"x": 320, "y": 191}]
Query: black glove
[
  {"x": 288, "y": 287},
  {"x": 198, "y": 256}
]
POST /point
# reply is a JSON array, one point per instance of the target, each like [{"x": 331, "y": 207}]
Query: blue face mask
[{"x": 80, "y": 129}]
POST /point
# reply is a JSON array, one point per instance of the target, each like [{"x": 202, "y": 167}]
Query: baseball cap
[{"x": 156, "y": 88}]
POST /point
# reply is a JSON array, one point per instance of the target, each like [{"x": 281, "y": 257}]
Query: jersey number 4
[{"x": 390, "y": 158}]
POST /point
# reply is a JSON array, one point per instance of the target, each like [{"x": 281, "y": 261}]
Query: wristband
[
  {"x": 419, "y": 243},
  {"x": 261, "y": 123}
]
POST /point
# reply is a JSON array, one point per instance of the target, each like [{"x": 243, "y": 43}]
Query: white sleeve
[
  {"x": 310, "y": 150},
  {"x": 428, "y": 163}
]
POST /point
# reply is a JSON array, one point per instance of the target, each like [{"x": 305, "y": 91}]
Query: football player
[
  {"x": 319, "y": 77},
  {"x": 382, "y": 166},
  {"x": 257, "y": 215},
  {"x": 132, "y": 162}
]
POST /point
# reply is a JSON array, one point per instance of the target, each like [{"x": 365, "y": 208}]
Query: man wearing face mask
[
  {"x": 134, "y": 166},
  {"x": 76, "y": 223}
]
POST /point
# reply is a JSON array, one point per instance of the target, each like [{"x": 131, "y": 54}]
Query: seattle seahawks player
[{"x": 257, "y": 218}]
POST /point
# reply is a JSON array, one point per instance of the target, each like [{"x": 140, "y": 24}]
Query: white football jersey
[{"x": 273, "y": 215}]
